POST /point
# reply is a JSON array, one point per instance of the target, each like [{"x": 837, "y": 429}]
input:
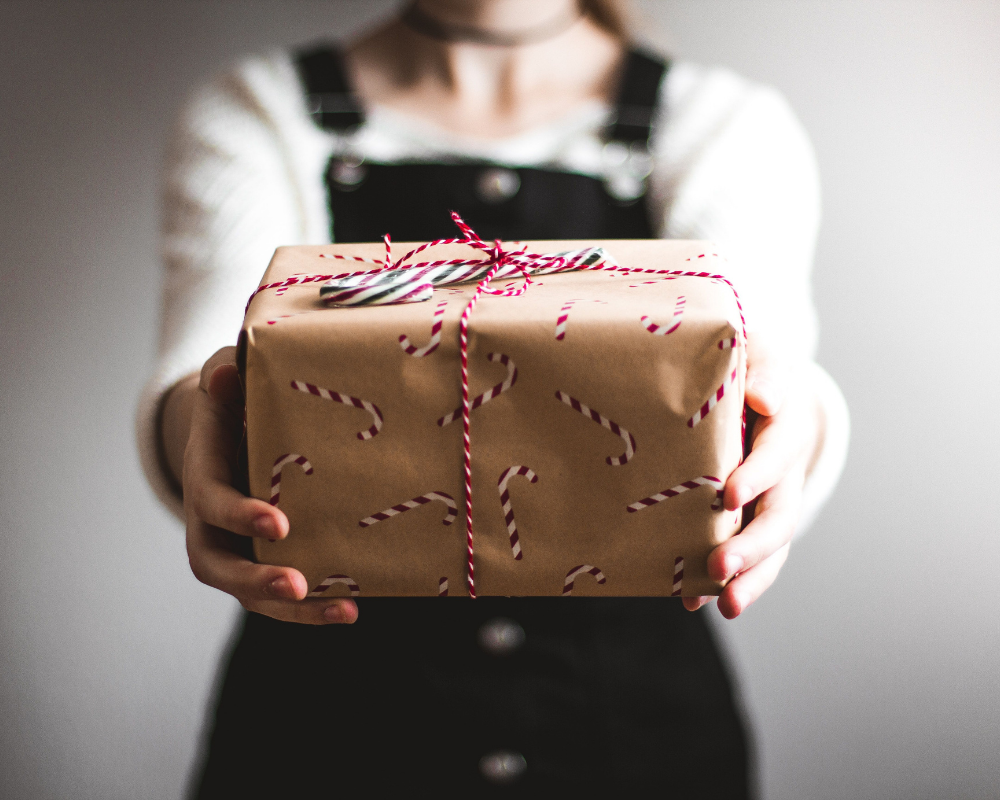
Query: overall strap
[
  {"x": 638, "y": 98},
  {"x": 334, "y": 106},
  {"x": 329, "y": 98}
]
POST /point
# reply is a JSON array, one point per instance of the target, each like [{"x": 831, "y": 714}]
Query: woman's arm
[
  {"x": 736, "y": 167},
  {"x": 175, "y": 425},
  {"x": 233, "y": 191}
]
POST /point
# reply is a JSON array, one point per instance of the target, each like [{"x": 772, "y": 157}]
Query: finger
[
  {"x": 772, "y": 528},
  {"x": 208, "y": 479},
  {"x": 222, "y": 506},
  {"x": 777, "y": 445},
  {"x": 278, "y": 592},
  {"x": 216, "y": 563},
  {"x": 744, "y": 590},
  {"x": 318, "y": 611},
  {"x": 694, "y": 603},
  {"x": 210, "y": 497}
]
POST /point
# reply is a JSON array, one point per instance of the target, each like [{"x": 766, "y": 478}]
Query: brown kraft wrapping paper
[{"x": 357, "y": 413}]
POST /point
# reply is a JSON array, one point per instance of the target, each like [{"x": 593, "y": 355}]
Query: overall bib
[{"x": 490, "y": 697}]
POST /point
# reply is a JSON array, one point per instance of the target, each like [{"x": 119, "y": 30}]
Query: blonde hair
[{"x": 612, "y": 15}]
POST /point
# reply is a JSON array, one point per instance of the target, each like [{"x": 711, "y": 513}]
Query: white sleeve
[
  {"x": 734, "y": 165},
  {"x": 241, "y": 179}
]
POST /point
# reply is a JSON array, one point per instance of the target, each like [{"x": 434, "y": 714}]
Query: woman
[{"x": 535, "y": 120}]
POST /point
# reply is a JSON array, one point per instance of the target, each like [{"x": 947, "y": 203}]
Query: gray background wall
[{"x": 871, "y": 668}]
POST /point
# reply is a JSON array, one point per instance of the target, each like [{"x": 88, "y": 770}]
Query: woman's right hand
[{"x": 220, "y": 518}]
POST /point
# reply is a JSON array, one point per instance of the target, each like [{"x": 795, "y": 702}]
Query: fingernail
[
  {"x": 264, "y": 526},
  {"x": 281, "y": 587},
  {"x": 733, "y": 563},
  {"x": 334, "y": 614}
]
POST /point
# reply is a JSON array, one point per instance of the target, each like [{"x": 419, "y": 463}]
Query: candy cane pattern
[
  {"x": 347, "y": 400},
  {"x": 432, "y": 345},
  {"x": 350, "y": 583},
  {"x": 416, "y": 502},
  {"x": 279, "y": 464},
  {"x": 678, "y": 576},
  {"x": 728, "y": 344},
  {"x": 666, "y": 494},
  {"x": 489, "y": 394},
  {"x": 675, "y": 323},
  {"x": 508, "y": 511},
  {"x": 564, "y": 316},
  {"x": 600, "y": 419},
  {"x": 443, "y": 587},
  {"x": 712, "y": 401},
  {"x": 583, "y": 569}
]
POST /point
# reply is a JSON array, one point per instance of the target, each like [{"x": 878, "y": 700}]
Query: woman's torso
[{"x": 592, "y": 695}]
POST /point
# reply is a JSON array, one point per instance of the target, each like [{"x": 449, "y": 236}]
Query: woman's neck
[
  {"x": 482, "y": 90},
  {"x": 502, "y": 24}
]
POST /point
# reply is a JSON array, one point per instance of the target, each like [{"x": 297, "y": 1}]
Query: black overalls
[{"x": 508, "y": 697}]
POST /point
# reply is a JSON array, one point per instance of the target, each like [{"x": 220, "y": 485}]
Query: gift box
[{"x": 605, "y": 414}]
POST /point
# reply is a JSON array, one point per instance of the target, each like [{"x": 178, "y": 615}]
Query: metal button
[
  {"x": 501, "y": 636},
  {"x": 625, "y": 188},
  {"x": 495, "y": 185},
  {"x": 502, "y": 767},
  {"x": 348, "y": 172},
  {"x": 626, "y": 168}
]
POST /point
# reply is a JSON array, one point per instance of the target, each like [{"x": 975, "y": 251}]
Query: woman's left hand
[{"x": 786, "y": 438}]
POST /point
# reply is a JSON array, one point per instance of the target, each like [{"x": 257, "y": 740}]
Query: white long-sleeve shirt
[{"x": 245, "y": 174}]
